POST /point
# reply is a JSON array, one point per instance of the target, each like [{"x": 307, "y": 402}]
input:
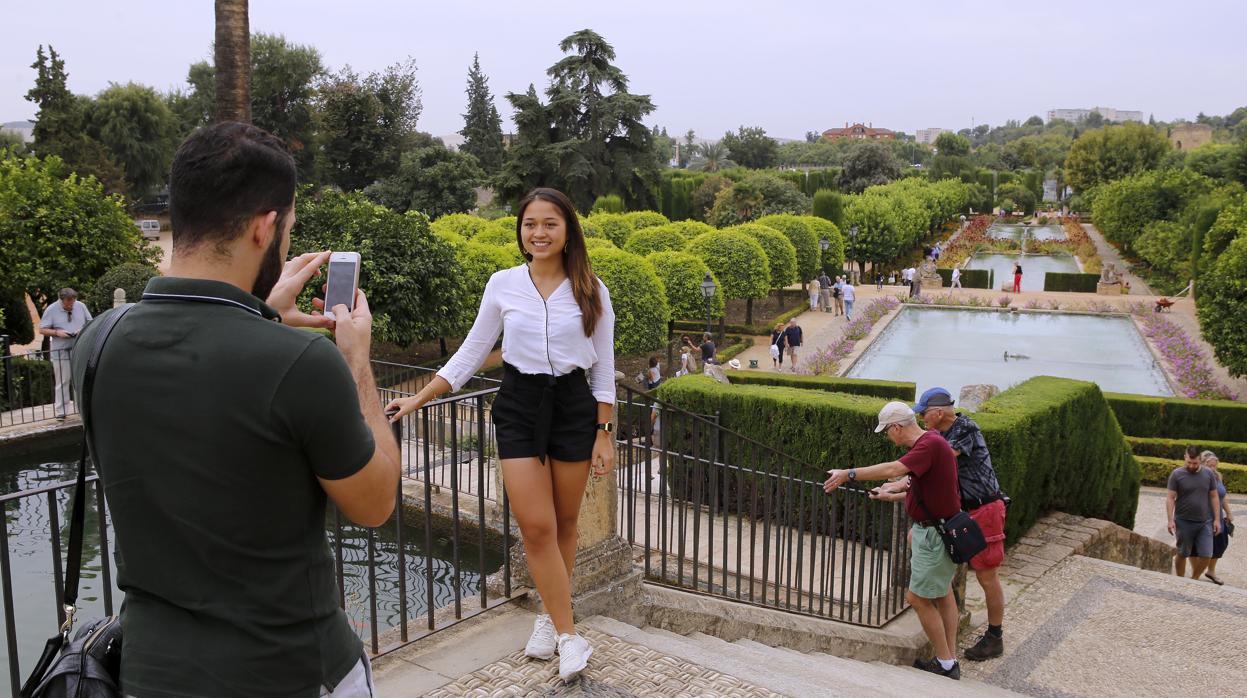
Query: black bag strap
[{"x": 73, "y": 562}]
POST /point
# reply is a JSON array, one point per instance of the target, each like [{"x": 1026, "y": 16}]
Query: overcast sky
[{"x": 711, "y": 66}]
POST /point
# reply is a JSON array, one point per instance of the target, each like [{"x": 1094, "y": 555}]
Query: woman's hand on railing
[
  {"x": 402, "y": 406},
  {"x": 603, "y": 459}
]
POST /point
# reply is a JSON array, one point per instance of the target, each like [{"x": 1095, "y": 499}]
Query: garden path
[{"x": 1109, "y": 254}]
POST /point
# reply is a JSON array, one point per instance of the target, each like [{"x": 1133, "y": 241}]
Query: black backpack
[{"x": 89, "y": 666}]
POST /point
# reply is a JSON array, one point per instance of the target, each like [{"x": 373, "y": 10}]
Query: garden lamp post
[{"x": 707, "y": 292}]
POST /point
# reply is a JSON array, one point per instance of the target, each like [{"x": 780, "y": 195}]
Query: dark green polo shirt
[{"x": 212, "y": 423}]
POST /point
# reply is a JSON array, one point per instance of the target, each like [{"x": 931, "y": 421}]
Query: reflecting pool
[
  {"x": 1034, "y": 266},
  {"x": 954, "y": 348},
  {"x": 1034, "y": 232}
]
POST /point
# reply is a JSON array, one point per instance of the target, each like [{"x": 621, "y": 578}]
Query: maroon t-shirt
[{"x": 934, "y": 468}]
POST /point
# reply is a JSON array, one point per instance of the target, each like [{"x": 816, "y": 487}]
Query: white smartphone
[{"x": 343, "y": 281}]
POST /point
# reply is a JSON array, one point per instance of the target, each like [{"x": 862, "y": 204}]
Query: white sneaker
[
  {"x": 574, "y": 652},
  {"x": 543, "y": 641}
]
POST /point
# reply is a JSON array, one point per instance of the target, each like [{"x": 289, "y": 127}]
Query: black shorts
[{"x": 538, "y": 414}]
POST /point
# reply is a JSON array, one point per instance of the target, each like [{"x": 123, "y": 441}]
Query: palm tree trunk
[{"x": 232, "y": 55}]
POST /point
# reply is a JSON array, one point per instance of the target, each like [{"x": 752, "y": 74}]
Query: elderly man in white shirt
[{"x": 62, "y": 321}]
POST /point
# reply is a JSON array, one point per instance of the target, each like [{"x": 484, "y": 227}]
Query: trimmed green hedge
[
  {"x": 1075, "y": 282},
  {"x": 1179, "y": 418},
  {"x": 891, "y": 390},
  {"x": 33, "y": 383},
  {"x": 1156, "y": 473},
  {"x": 1231, "y": 451},
  {"x": 970, "y": 278},
  {"x": 1043, "y": 435}
]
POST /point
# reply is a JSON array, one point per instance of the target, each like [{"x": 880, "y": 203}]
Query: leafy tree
[
  {"x": 1122, "y": 208},
  {"x": 431, "y": 179},
  {"x": 866, "y": 165},
  {"x": 949, "y": 143},
  {"x": 703, "y": 197},
  {"x": 664, "y": 146},
  {"x": 412, "y": 278},
  {"x": 60, "y": 125},
  {"x": 831, "y": 260},
  {"x": 656, "y": 239},
  {"x": 588, "y": 140},
  {"x": 1023, "y": 199},
  {"x": 688, "y": 148},
  {"x": 711, "y": 157},
  {"x": 193, "y": 107},
  {"x": 1113, "y": 152},
  {"x": 232, "y": 58},
  {"x": 482, "y": 127},
  {"x": 756, "y": 195},
  {"x": 750, "y": 147},
  {"x": 645, "y": 219},
  {"x": 829, "y": 205},
  {"x": 132, "y": 277},
  {"x": 1231, "y": 223},
  {"x": 367, "y": 123},
  {"x": 139, "y": 131},
  {"x": 1034, "y": 121},
  {"x": 1166, "y": 247},
  {"x": 58, "y": 230},
  {"x": 804, "y": 242},
  {"x": 681, "y": 274},
  {"x": 878, "y": 237},
  {"x": 1236, "y": 168},
  {"x": 638, "y": 298},
  {"x": 781, "y": 256},
  {"x": 736, "y": 260},
  {"x": 1223, "y": 307}
]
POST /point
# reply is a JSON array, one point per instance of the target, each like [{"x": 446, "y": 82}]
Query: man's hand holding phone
[{"x": 285, "y": 294}]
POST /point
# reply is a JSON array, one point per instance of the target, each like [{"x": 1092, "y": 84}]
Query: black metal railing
[
  {"x": 718, "y": 513},
  {"x": 28, "y": 386}
]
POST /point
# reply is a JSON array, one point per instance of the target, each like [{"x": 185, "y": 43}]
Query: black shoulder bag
[
  {"x": 963, "y": 539},
  {"x": 90, "y": 665}
]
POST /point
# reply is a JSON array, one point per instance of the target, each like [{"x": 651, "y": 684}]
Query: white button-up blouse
[{"x": 538, "y": 335}]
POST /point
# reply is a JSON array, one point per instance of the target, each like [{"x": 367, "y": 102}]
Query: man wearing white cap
[{"x": 933, "y": 496}]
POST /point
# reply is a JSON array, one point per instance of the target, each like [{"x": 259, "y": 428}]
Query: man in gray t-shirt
[
  {"x": 62, "y": 321},
  {"x": 1194, "y": 513}
]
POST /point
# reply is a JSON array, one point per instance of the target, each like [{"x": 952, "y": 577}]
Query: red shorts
[{"x": 990, "y": 518}]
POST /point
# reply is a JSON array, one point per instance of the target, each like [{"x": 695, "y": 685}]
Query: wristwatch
[
  {"x": 852, "y": 474},
  {"x": 608, "y": 427}
]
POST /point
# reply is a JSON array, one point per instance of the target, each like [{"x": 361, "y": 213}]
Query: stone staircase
[{"x": 789, "y": 672}]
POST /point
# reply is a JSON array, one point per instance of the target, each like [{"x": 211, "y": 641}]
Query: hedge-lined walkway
[{"x": 1110, "y": 255}]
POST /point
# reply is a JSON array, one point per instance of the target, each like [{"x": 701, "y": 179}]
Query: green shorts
[{"x": 931, "y": 570}]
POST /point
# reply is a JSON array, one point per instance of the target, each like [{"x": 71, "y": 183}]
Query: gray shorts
[
  {"x": 1194, "y": 538},
  {"x": 356, "y": 684}
]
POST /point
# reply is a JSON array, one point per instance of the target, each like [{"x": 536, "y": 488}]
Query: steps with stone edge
[{"x": 791, "y": 672}]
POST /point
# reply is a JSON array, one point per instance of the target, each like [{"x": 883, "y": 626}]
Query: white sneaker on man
[
  {"x": 543, "y": 641},
  {"x": 574, "y": 652}
]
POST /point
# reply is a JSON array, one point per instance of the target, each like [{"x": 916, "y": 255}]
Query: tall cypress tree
[{"x": 482, "y": 127}]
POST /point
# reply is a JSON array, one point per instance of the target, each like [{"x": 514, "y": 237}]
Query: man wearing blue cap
[{"x": 982, "y": 499}]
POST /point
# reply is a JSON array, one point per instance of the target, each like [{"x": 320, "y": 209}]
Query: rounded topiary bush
[
  {"x": 463, "y": 224},
  {"x": 645, "y": 219},
  {"x": 599, "y": 243},
  {"x": 780, "y": 254},
  {"x": 1223, "y": 306},
  {"x": 686, "y": 229},
  {"x": 612, "y": 226},
  {"x": 132, "y": 277},
  {"x": 451, "y": 238},
  {"x": 496, "y": 235},
  {"x": 657, "y": 239},
  {"x": 611, "y": 203},
  {"x": 508, "y": 222},
  {"x": 803, "y": 239},
  {"x": 832, "y": 261},
  {"x": 736, "y": 260},
  {"x": 681, "y": 274},
  {"x": 638, "y": 298},
  {"x": 478, "y": 262}
]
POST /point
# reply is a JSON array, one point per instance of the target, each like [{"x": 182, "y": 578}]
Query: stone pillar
[
  {"x": 973, "y": 396},
  {"x": 119, "y": 297}
]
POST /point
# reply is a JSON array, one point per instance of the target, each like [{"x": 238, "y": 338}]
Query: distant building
[
  {"x": 24, "y": 129},
  {"x": 1109, "y": 114},
  {"x": 1189, "y": 136},
  {"x": 861, "y": 132},
  {"x": 927, "y": 136}
]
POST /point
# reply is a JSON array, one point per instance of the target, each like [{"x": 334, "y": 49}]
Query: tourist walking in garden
[
  {"x": 848, "y": 294},
  {"x": 837, "y": 293},
  {"x": 1017, "y": 277},
  {"x": 220, "y": 430},
  {"x": 709, "y": 352},
  {"x": 777, "y": 346},
  {"x": 982, "y": 499},
  {"x": 62, "y": 321},
  {"x": 1194, "y": 510},
  {"x": 555, "y": 411},
  {"x": 932, "y": 496},
  {"x": 653, "y": 376},
  {"x": 815, "y": 292},
  {"x": 956, "y": 277},
  {"x": 793, "y": 337},
  {"x": 824, "y": 287},
  {"x": 879, "y": 281},
  {"x": 686, "y": 360},
  {"x": 693, "y": 352},
  {"x": 1221, "y": 541}
]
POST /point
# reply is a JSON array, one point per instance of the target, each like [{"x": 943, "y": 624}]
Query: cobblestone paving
[
  {"x": 617, "y": 670},
  {"x": 1090, "y": 628}
]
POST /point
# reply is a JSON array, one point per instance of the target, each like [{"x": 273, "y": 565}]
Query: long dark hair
[{"x": 575, "y": 255}]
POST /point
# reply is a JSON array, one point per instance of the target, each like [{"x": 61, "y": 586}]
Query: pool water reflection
[
  {"x": 955, "y": 348},
  {"x": 1034, "y": 266}
]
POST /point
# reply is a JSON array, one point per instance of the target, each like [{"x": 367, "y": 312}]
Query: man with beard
[{"x": 220, "y": 432}]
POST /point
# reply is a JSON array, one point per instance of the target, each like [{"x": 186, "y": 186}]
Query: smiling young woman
[{"x": 554, "y": 413}]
